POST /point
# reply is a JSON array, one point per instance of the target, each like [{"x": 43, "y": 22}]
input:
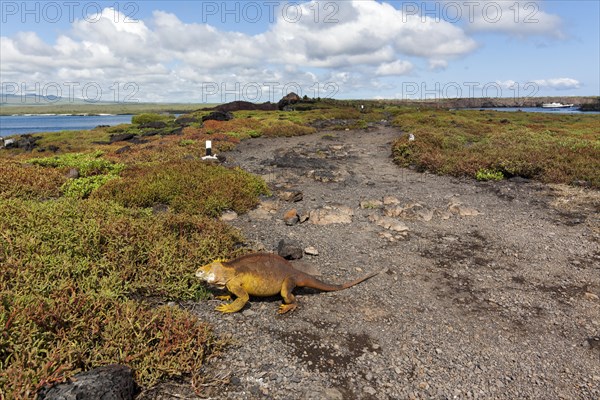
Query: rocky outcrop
[
  {"x": 245, "y": 105},
  {"x": 287, "y": 101},
  {"x": 111, "y": 382},
  {"x": 186, "y": 120},
  {"x": 25, "y": 142},
  {"x": 154, "y": 125},
  {"x": 218, "y": 116}
]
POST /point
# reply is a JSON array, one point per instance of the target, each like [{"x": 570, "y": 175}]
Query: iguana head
[{"x": 213, "y": 273}]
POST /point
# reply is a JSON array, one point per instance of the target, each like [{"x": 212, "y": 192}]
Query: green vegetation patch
[
  {"x": 489, "y": 175},
  {"x": 148, "y": 118},
  {"x": 71, "y": 270},
  {"x": 190, "y": 186},
  {"x": 93, "y": 170},
  {"x": 491, "y": 145},
  {"x": 286, "y": 129},
  {"x": 87, "y": 164}
]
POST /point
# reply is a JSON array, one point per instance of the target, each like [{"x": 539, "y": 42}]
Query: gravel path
[{"x": 491, "y": 289}]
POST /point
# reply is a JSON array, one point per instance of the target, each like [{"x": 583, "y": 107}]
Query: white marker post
[{"x": 209, "y": 155}]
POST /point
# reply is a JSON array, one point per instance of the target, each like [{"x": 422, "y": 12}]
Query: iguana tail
[{"x": 314, "y": 283}]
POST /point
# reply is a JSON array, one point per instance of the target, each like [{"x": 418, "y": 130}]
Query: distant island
[{"x": 14, "y": 105}]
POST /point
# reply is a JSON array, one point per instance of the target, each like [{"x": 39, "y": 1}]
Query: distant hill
[{"x": 9, "y": 100}]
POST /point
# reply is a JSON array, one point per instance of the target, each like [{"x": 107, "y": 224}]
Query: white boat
[{"x": 556, "y": 105}]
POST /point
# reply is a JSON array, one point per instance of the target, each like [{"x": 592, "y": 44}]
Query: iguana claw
[
  {"x": 286, "y": 307},
  {"x": 225, "y": 308}
]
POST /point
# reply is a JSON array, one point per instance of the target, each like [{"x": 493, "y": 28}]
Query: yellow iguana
[{"x": 263, "y": 275}]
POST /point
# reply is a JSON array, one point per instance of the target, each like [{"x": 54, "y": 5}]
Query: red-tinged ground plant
[
  {"x": 21, "y": 180},
  {"x": 74, "y": 281}
]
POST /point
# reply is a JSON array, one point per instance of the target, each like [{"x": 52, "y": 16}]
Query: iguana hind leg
[
  {"x": 289, "y": 299},
  {"x": 239, "y": 303}
]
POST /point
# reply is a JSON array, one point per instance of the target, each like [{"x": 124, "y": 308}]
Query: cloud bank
[{"x": 171, "y": 60}]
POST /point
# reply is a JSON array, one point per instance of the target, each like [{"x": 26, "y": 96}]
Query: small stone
[
  {"x": 369, "y": 390},
  {"x": 370, "y": 204},
  {"x": 160, "y": 208},
  {"x": 445, "y": 214},
  {"x": 248, "y": 313},
  {"x": 333, "y": 394},
  {"x": 390, "y": 200},
  {"x": 73, "y": 173},
  {"x": 425, "y": 215},
  {"x": 398, "y": 227},
  {"x": 593, "y": 342},
  {"x": 393, "y": 211},
  {"x": 291, "y": 217},
  {"x": 9, "y": 143},
  {"x": 289, "y": 249},
  {"x": 331, "y": 215},
  {"x": 291, "y": 196},
  {"x": 304, "y": 216},
  {"x": 229, "y": 216},
  {"x": 122, "y": 149},
  {"x": 590, "y": 296},
  {"x": 311, "y": 251}
]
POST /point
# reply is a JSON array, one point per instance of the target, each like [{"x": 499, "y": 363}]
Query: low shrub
[
  {"x": 88, "y": 164},
  {"x": 485, "y": 145},
  {"x": 489, "y": 175},
  {"x": 149, "y": 118},
  {"x": 286, "y": 129},
  {"x": 25, "y": 181},
  {"x": 94, "y": 171},
  {"x": 190, "y": 186},
  {"x": 75, "y": 275}
]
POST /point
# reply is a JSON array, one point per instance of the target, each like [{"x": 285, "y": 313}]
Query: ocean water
[
  {"x": 22, "y": 124},
  {"x": 572, "y": 110}
]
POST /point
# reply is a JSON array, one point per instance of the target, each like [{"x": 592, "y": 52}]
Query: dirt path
[{"x": 491, "y": 289}]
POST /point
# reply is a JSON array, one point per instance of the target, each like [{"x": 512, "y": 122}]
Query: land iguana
[{"x": 262, "y": 275}]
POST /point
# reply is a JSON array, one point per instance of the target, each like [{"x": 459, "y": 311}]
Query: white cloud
[
  {"x": 394, "y": 68},
  {"x": 558, "y": 83},
  {"x": 436, "y": 64},
  {"x": 517, "y": 18},
  {"x": 369, "y": 33}
]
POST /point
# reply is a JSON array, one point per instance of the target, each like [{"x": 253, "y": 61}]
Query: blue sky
[{"x": 214, "y": 51}]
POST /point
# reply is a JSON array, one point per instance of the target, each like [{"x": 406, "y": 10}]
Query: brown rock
[{"x": 291, "y": 217}]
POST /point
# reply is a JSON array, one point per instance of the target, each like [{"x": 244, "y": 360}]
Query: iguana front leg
[{"x": 242, "y": 298}]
